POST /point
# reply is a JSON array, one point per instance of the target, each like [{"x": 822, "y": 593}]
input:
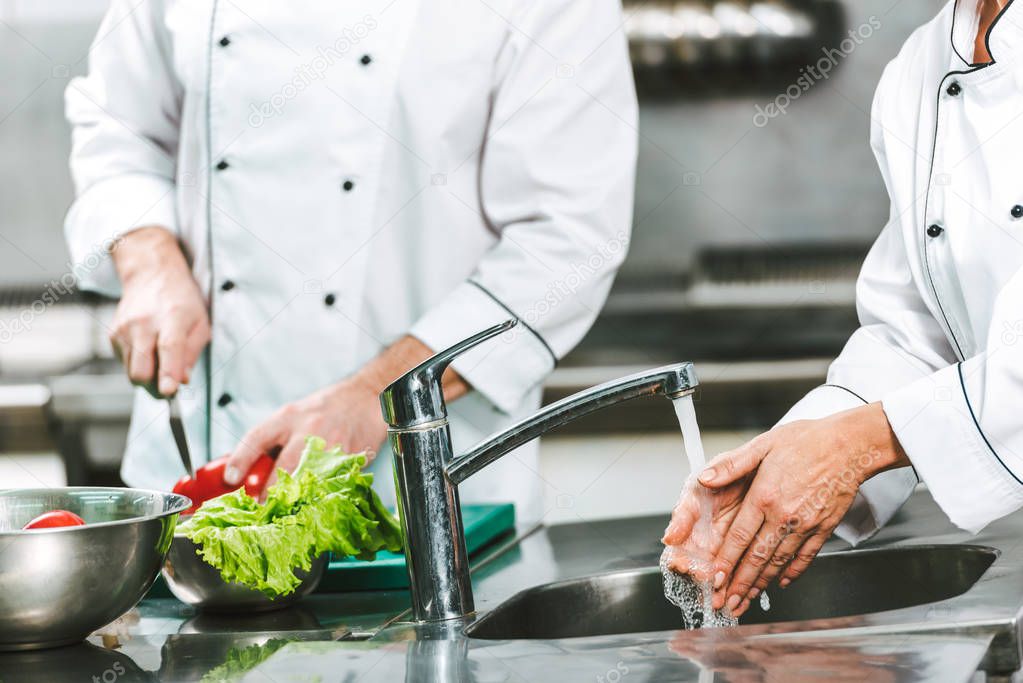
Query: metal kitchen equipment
[
  {"x": 870, "y": 581},
  {"x": 427, "y": 473},
  {"x": 715, "y": 35},
  {"x": 59, "y": 585},
  {"x": 198, "y": 584}
]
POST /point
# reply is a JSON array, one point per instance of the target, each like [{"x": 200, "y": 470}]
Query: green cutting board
[{"x": 483, "y": 524}]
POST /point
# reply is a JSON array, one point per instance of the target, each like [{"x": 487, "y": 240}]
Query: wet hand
[
  {"x": 805, "y": 478},
  {"x": 690, "y": 541}
]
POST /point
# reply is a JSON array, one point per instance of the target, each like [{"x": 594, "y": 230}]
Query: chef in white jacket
[
  {"x": 931, "y": 384},
  {"x": 297, "y": 202}
]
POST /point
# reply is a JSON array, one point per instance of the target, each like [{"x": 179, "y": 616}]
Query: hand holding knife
[
  {"x": 174, "y": 414},
  {"x": 207, "y": 481}
]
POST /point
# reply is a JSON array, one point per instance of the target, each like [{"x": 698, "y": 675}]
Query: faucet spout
[
  {"x": 427, "y": 474},
  {"x": 672, "y": 381}
]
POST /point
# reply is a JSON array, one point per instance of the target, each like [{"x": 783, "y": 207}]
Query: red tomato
[
  {"x": 209, "y": 481},
  {"x": 261, "y": 470},
  {"x": 55, "y": 518}
]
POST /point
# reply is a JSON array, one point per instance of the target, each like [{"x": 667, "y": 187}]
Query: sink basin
[{"x": 836, "y": 585}]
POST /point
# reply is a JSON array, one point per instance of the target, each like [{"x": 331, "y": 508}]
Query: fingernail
[
  {"x": 754, "y": 593},
  {"x": 166, "y": 386},
  {"x": 232, "y": 475},
  {"x": 708, "y": 475},
  {"x": 719, "y": 580},
  {"x": 733, "y": 602},
  {"x": 784, "y": 583}
]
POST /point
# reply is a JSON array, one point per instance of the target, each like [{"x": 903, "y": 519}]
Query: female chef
[
  {"x": 307, "y": 199},
  {"x": 931, "y": 384}
]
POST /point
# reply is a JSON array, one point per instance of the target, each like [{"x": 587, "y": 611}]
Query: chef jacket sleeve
[
  {"x": 898, "y": 342},
  {"x": 961, "y": 426},
  {"x": 556, "y": 185},
  {"x": 124, "y": 117}
]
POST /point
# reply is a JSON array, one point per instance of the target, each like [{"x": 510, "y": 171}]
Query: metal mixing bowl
[
  {"x": 196, "y": 583},
  {"x": 59, "y": 585}
]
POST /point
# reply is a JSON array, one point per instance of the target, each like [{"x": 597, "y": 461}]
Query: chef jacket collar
[{"x": 1005, "y": 35}]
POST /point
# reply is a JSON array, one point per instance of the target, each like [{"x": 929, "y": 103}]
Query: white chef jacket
[
  {"x": 940, "y": 296},
  {"x": 343, "y": 174}
]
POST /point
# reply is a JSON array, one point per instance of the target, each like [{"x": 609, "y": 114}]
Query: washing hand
[
  {"x": 698, "y": 525},
  {"x": 798, "y": 480}
]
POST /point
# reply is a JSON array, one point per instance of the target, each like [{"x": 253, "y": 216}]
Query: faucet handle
[{"x": 416, "y": 397}]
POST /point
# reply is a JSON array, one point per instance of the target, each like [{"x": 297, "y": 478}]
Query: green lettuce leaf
[
  {"x": 327, "y": 505},
  {"x": 240, "y": 661}
]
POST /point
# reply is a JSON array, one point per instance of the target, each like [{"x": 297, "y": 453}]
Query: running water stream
[{"x": 692, "y": 596}]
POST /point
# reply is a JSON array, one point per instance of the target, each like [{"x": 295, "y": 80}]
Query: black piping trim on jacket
[
  {"x": 994, "y": 22},
  {"x": 976, "y": 423},
  {"x": 209, "y": 225},
  {"x": 934, "y": 146},
  {"x": 866, "y": 402},
  {"x": 514, "y": 315},
  {"x": 952, "y": 34},
  {"x": 848, "y": 390},
  {"x": 927, "y": 201},
  {"x": 987, "y": 34}
]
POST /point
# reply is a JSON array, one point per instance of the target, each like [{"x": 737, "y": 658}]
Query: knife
[
  {"x": 174, "y": 413},
  {"x": 178, "y": 430}
]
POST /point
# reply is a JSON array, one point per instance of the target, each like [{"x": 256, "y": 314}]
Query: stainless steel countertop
[{"x": 360, "y": 636}]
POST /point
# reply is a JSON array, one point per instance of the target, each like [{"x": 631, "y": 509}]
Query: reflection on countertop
[{"x": 361, "y": 636}]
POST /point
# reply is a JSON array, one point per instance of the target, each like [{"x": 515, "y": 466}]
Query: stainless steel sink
[{"x": 836, "y": 585}]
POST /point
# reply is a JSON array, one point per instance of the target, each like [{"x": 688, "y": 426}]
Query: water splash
[{"x": 693, "y": 597}]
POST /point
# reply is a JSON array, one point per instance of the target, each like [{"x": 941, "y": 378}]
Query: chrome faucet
[{"x": 427, "y": 474}]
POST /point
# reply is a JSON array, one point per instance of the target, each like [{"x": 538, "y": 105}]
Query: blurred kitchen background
[{"x": 750, "y": 226}]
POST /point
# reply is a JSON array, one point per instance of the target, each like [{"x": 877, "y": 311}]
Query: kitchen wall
[{"x": 42, "y": 44}]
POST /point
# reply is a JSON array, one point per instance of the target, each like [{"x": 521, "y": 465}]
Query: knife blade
[{"x": 178, "y": 430}]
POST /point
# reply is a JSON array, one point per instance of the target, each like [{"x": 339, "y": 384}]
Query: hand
[
  {"x": 161, "y": 324},
  {"x": 347, "y": 413},
  {"x": 806, "y": 477},
  {"x": 691, "y": 542}
]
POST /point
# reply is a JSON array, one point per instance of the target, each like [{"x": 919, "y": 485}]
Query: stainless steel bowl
[
  {"x": 73, "y": 664},
  {"x": 196, "y": 583},
  {"x": 59, "y": 585}
]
